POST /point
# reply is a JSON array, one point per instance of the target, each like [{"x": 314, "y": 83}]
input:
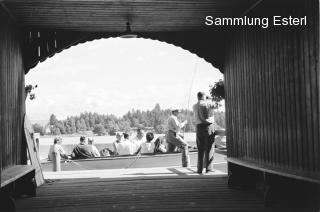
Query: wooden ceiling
[{"x": 112, "y": 15}]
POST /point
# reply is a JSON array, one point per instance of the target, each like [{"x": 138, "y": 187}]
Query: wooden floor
[{"x": 181, "y": 192}]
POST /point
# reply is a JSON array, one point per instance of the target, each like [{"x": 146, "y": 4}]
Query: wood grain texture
[
  {"x": 11, "y": 94},
  {"x": 276, "y": 81},
  {"x": 197, "y": 193},
  {"x": 112, "y": 15}
]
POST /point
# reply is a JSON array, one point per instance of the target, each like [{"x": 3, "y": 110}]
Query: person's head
[
  {"x": 57, "y": 140},
  {"x": 139, "y": 133},
  {"x": 90, "y": 141},
  {"x": 149, "y": 136},
  {"x": 175, "y": 112},
  {"x": 82, "y": 139},
  {"x": 118, "y": 136},
  {"x": 126, "y": 135},
  {"x": 201, "y": 95}
]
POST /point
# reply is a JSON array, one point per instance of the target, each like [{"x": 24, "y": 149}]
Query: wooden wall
[
  {"x": 273, "y": 91},
  {"x": 12, "y": 103}
]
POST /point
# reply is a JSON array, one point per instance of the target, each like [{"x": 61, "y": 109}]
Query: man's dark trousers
[{"x": 205, "y": 140}]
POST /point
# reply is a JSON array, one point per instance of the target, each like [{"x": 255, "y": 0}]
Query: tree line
[{"x": 109, "y": 124}]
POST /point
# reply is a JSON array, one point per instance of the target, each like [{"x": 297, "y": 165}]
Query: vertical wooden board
[
  {"x": 264, "y": 76},
  {"x": 270, "y": 98},
  {"x": 279, "y": 149},
  {"x": 297, "y": 91},
  {"x": 243, "y": 91},
  {"x": 290, "y": 99},
  {"x": 275, "y": 113},
  {"x": 255, "y": 98},
  {"x": 238, "y": 108},
  {"x": 233, "y": 108},
  {"x": 264, "y": 86},
  {"x": 32, "y": 149},
  {"x": 282, "y": 106},
  {"x": 11, "y": 68},
  {"x": 246, "y": 91},
  {"x": 308, "y": 109},
  {"x": 249, "y": 95},
  {"x": 317, "y": 70},
  {"x": 261, "y": 106},
  {"x": 314, "y": 85},
  {"x": 1, "y": 95}
]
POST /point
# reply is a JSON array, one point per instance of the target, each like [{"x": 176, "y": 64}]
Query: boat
[
  {"x": 126, "y": 161},
  {"x": 118, "y": 162}
]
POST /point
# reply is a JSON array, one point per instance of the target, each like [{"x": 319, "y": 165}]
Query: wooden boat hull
[{"x": 143, "y": 161}]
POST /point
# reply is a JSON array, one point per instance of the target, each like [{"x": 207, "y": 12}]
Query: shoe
[{"x": 210, "y": 171}]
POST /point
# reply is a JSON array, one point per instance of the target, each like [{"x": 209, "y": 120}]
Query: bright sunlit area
[
  {"x": 102, "y": 87},
  {"x": 113, "y": 76}
]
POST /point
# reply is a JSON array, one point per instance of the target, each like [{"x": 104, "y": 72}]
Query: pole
[{"x": 56, "y": 162}]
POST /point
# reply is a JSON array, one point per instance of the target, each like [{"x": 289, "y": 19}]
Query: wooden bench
[
  {"x": 278, "y": 185},
  {"x": 16, "y": 181}
]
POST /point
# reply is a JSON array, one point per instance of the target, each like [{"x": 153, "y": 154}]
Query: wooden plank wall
[
  {"x": 272, "y": 90},
  {"x": 12, "y": 103}
]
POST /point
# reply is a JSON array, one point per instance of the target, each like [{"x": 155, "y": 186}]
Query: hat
[
  {"x": 175, "y": 110},
  {"x": 201, "y": 95},
  {"x": 57, "y": 139}
]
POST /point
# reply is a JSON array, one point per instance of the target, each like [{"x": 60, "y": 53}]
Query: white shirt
[
  {"x": 137, "y": 143},
  {"x": 174, "y": 124},
  {"x": 94, "y": 150},
  {"x": 147, "y": 147},
  {"x": 124, "y": 147},
  {"x": 203, "y": 112},
  {"x": 57, "y": 148}
]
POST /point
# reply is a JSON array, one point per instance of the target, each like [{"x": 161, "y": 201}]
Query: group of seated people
[
  {"x": 124, "y": 145},
  {"x": 80, "y": 151}
]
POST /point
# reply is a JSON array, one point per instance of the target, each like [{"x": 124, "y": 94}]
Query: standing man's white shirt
[
  {"x": 204, "y": 112},
  {"x": 174, "y": 124}
]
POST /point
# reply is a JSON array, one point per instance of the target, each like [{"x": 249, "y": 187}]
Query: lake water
[{"x": 100, "y": 142}]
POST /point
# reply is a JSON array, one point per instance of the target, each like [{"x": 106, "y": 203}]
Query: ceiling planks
[{"x": 112, "y": 15}]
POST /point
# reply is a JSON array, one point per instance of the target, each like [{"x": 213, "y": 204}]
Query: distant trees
[
  {"x": 37, "y": 128},
  {"x": 109, "y": 124},
  {"x": 99, "y": 129}
]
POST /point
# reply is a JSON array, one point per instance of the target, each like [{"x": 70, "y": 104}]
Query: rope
[
  {"x": 137, "y": 157},
  {"x": 81, "y": 166},
  {"x": 190, "y": 89}
]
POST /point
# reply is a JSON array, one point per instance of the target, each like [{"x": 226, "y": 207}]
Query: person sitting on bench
[
  {"x": 82, "y": 150},
  {"x": 147, "y": 147},
  {"x": 56, "y": 147}
]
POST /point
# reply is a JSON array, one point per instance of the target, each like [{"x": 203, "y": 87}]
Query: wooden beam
[
  {"x": 251, "y": 7},
  {"x": 8, "y": 11}
]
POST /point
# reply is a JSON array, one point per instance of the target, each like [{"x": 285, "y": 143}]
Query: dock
[{"x": 140, "y": 189}]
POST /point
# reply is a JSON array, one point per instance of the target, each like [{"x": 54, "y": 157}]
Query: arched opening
[{"x": 118, "y": 85}]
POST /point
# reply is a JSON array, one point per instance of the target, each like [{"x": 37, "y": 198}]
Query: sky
[{"x": 115, "y": 75}]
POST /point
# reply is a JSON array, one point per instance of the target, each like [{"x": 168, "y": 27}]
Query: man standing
[
  {"x": 174, "y": 138},
  {"x": 205, "y": 132}
]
